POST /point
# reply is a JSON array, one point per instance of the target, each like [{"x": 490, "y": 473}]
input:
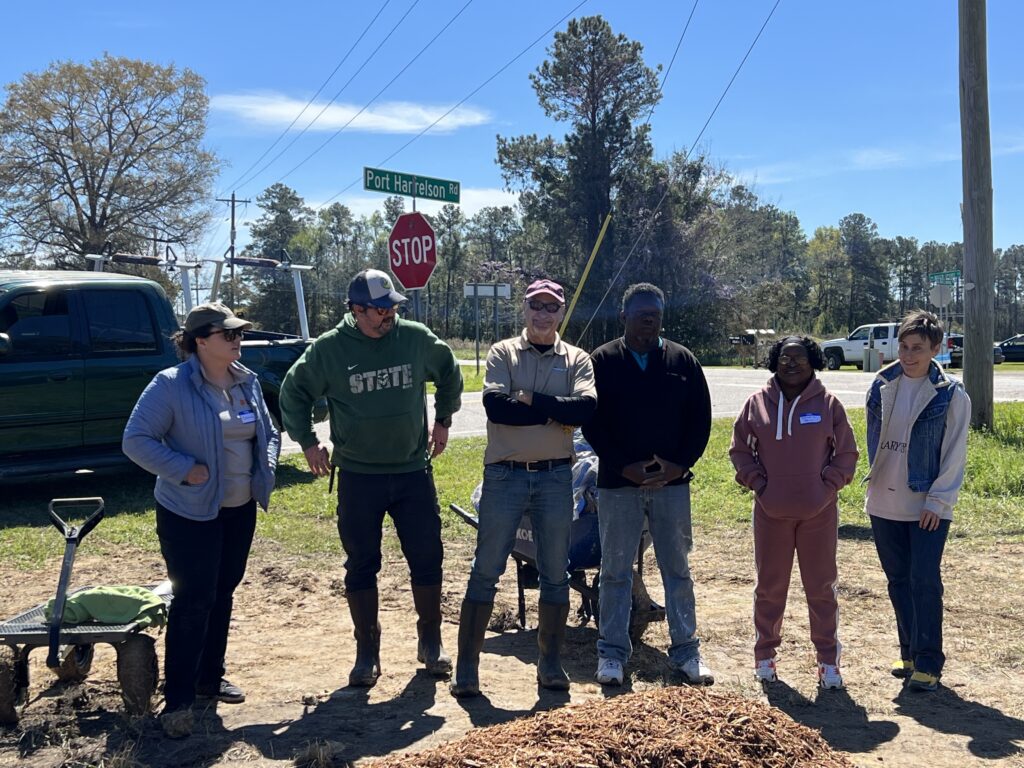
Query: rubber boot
[
  {"x": 550, "y": 634},
  {"x": 363, "y": 607},
  {"x": 429, "y": 651},
  {"x": 472, "y": 625}
]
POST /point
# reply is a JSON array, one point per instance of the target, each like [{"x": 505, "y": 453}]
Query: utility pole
[
  {"x": 231, "y": 248},
  {"x": 976, "y": 211}
]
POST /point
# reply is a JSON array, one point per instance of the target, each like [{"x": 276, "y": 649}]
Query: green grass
[
  {"x": 301, "y": 519},
  {"x": 471, "y": 380}
]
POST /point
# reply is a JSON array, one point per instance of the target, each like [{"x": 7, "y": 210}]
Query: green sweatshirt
[{"x": 375, "y": 390}]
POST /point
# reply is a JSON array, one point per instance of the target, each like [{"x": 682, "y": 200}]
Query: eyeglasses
[
  {"x": 551, "y": 307},
  {"x": 792, "y": 359},
  {"x": 230, "y": 334},
  {"x": 381, "y": 311}
]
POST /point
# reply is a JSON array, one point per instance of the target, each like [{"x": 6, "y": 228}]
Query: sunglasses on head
[
  {"x": 548, "y": 306},
  {"x": 230, "y": 334}
]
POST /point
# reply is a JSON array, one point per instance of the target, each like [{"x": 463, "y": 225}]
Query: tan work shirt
[{"x": 562, "y": 371}]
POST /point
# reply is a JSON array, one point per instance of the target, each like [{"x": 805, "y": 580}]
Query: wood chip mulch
[{"x": 663, "y": 727}]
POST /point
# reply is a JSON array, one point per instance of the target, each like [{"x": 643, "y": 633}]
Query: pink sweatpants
[{"x": 814, "y": 541}]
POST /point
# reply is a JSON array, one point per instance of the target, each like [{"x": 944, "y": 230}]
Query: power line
[
  {"x": 377, "y": 95},
  {"x": 661, "y": 87},
  {"x": 309, "y": 103},
  {"x": 668, "y": 186},
  {"x": 464, "y": 99}
]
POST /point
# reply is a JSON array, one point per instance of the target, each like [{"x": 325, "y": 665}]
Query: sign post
[{"x": 478, "y": 291}]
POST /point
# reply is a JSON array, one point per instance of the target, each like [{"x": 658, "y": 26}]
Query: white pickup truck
[{"x": 850, "y": 351}]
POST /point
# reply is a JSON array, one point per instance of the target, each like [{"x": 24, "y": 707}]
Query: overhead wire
[
  {"x": 686, "y": 155},
  {"x": 341, "y": 90},
  {"x": 463, "y": 100},
  {"x": 378, "y": 94},
  {"x": 679, "y": 43},
  {"x": 309, "y": 103}
]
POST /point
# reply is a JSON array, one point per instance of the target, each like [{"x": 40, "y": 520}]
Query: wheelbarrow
[
  {"x": 70, "y": 647},
  {"x": 643, "y": 611}
]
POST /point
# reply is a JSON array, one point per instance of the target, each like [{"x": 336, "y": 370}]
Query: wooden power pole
[{"x": 979, "y": 271}]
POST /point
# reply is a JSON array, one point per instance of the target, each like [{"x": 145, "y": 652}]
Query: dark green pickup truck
[{"x": 76, "y": 350}]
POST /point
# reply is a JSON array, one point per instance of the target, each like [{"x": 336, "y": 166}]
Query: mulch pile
[{"x": 670, "y": 727}]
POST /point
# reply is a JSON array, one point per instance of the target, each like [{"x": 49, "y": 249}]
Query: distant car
[
  {"x": 955, "y": 343},
  {"x": 1013, "y": 348}
]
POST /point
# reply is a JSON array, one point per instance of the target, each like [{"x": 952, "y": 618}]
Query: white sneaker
[
  {"x": 764, "y": 670},
  {"x": 609, "y": 672},
  {"x": 829, "y": 676},
  {"x": 695, "y": 671}
]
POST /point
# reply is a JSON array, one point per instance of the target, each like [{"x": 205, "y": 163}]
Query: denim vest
[{"x": 924, "y": 451}]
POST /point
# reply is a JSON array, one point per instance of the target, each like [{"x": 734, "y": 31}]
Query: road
[{"x": 730, "y": 387}]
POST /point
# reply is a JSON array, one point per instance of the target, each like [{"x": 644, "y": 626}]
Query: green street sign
[
  {"x": 949, "y": 277},
  {"x": 396, "y": 183}
]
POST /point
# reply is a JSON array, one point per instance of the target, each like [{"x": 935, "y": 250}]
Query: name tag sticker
[
  {"x": 248, "y": 417},
  {"x": 810, "y": 418}
]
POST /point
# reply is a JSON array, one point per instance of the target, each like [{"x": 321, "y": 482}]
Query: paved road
[{"x": 730, "y": 387}]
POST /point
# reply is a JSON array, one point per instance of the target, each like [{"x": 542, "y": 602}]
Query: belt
[{"x": 544, "y": 465}]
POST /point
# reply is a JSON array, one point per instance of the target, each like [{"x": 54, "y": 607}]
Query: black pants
[
  {"x": 411, "y": 500},
  {"x": 205, "y": 562}
]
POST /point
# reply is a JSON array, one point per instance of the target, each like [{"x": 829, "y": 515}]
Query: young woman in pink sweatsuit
[{"x": 792, "y": 445}]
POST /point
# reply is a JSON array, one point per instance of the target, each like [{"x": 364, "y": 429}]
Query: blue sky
[{"x": 841, "y": 107}]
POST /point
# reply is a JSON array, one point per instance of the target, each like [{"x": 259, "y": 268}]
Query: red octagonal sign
[{"x": 411, "y": 250}]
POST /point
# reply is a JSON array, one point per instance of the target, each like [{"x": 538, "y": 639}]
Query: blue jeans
[
  {"x": 621, "y": 513},
  {"x": 509, "y": 493},
  {"x": 205, "y": 562},
  {"x": 911, "y": 558}
]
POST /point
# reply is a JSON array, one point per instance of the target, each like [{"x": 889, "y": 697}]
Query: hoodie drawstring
[{"x": 789, "y": 422}]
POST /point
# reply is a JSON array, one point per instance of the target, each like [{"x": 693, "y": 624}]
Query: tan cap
[{"x": 216, "y": 314}]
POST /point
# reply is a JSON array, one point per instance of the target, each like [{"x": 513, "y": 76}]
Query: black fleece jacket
[{"x": 664, "y": 410}]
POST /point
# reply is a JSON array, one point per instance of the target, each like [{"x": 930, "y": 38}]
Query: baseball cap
[
  {"x": 215, "y": 314},
  {"x": 538, "y": 287},
  {"x": 373, "y": 288}
]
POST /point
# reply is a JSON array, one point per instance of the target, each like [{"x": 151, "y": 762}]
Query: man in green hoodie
[{"x": 373, "y": 368}]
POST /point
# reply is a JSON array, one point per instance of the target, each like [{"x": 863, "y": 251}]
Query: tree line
[{"x": 109, "y": 156}]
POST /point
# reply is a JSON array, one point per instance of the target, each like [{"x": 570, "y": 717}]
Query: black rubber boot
[
  {"x": 429, "y": 650},
  {"x": 472, "y": 625},
  {"x": 363, "y": 607},
  {"x": 550, "y": 634}
]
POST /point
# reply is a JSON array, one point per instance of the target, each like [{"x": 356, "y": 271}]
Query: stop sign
[{"x": 411, "y": 250}]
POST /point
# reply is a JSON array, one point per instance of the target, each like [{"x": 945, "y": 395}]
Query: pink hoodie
[{"x": 794, "y": 456}]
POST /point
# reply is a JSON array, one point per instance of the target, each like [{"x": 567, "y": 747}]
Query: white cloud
[
  {"x": 869, "y": 159},
  {"x": 277, "y": 111}
]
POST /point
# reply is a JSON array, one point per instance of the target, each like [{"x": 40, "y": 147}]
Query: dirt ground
[{"x": 291, "y": 647}]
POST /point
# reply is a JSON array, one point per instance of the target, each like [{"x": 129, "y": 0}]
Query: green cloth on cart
[{"x": 113, "y": 605}]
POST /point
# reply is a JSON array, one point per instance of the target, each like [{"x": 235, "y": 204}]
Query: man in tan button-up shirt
[{"x": 537, "y": 389}]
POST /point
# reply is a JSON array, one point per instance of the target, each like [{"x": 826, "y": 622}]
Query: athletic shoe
[
  {"x": 829, "y": 676},
  {"x": 609, "y": 672},
  {"x": 922, "y": 681},
  {"x": 902, "y": 668},
  {"x": 765, "y": 672},
  {"x": 695, "y": 672},
  {"x": 224, "y": 691}
]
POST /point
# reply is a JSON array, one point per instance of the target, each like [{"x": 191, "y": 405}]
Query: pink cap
[{"x": 538, "y": 287}]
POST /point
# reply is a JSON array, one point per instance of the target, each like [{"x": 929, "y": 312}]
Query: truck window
[
  {"x": 861, "y": 334},
  {"x": 881, "y": 332},
  {"x": 119, "y": 321},
  {"x": 38, "y": 325}
]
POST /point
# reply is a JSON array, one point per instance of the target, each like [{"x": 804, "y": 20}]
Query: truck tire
[
  {"x": 8, "y": 686},
  {"x": 833, "y": 359},
  {"x": 137, "y": 673},
  {"x": 76, "y": 661}
]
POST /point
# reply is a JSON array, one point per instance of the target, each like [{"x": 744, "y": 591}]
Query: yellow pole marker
[{"x": 586, "y": 271}]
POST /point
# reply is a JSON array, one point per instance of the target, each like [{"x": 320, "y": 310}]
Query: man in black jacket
[{"x": 652, "y": 424}]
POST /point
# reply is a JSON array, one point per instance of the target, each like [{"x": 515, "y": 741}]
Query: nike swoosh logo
[{"x": 353, "y": 366}]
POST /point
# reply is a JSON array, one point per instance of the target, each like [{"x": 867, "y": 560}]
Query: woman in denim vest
[
  {"x": 202, "y": 427},
  {"x": 917, "y": 420}
]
